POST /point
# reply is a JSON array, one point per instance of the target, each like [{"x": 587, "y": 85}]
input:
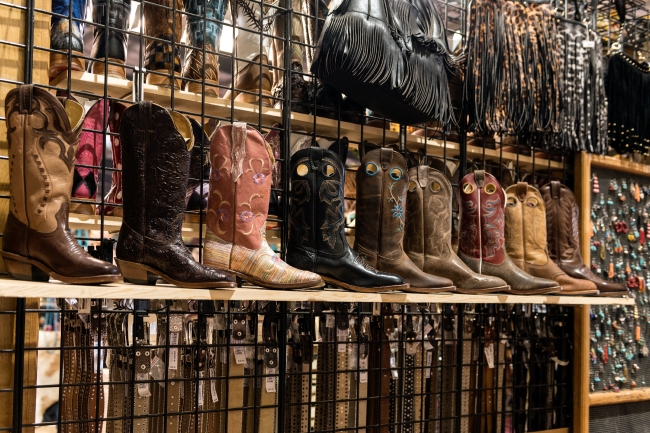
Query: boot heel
[
  {"x": 114, "y": 71},
  {"x": 210, "y": 88},
  {"x": 22, "y": 270},
  {"x": 59, "y": 63},
  {"x": 136, "y": 273}
]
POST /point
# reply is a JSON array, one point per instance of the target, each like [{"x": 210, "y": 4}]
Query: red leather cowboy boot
[{"x": 482, "y": 237}]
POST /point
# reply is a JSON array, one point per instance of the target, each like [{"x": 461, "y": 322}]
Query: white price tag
[
  {"x": 84, "y": 306},
  {"x": 588, "y": 44},
  {"x": 363, "y": 374},
  {"x": 489, "y": 354},
  {"x": 240, "y": 355},
  {"x": 329, "y": 321},
  {"x": 427, "y": 371},
  {"x": 213, "y": 387},
  {"x": 342, "y": 337},
  {"x": 427, "y": 329},
  {"x": 173, "y": 352},
  {"x": 270, "y": 380},
  {"x": 201, "y": 389},
  {"x": 143, "y": 388},
  {"x": 427, "y": 345}
]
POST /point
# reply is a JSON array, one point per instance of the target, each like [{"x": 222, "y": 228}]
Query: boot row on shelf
[
  {"x": 403, "y": 220},
  {"x": 203, "y": 24}
]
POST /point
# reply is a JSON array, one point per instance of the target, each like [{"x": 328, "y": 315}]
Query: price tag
[
  {"x": 489, "y": 354},
  {"x": 427, "y": 329},
  {"x": 342, "y": 336},
  {"x": 201, "y": 389},
  {"x": 329, "y": 321},
  {"x": 588, "y": 44},
  {"x": 270, "y": 380},
  {"x": 143, "y": 388},
  {"x": 240, "y": 355},
  {"x": 173, "y": 352},
  {"x": 213, "y": 387},
  {"x": 84, "y": 306},
  {"x": 376, "y": 308},
  {"x": 363, "y": 374},
  {"x": 427, "y": 371}
]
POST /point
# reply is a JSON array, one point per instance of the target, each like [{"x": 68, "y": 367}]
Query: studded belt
[
  {"x": 379, "y": 379},
  {"x": 448, "y": 374},
  {"x": 468, "y": 384},
  {"x": 266, "y": 392}
]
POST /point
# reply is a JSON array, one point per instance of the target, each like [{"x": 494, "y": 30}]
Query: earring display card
[{"x": 620, "y": 209}]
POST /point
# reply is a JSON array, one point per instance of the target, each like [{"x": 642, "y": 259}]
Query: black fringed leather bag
[{"x": 391, "y": 56}]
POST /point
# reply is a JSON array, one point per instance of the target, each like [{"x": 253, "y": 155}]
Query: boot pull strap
[
  {"x": 479, "y": 178},
  {"x": 522, "y": 189},
  {"x": 385, "y": 157},
  {"x": 315, "y": 157},
  {"x": 555, "y": 189},
  {"x": 26, "y": 94},
  {"x": 423, "y": 175},
  {"x": 238, "y": 152}
]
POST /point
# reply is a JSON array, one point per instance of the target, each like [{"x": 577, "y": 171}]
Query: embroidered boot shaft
[
  {"x": 160, "y": 56},
  {"x": 156, "y": 147},
  {"x": 564, "y": 238},
  {"x": 317, "y": 239},
  {"x": 67, "y": 34},
  {"x": 114, "y": 196},
  {"x": 197, "y": 64},
  {"x": 428, "y": 233},
  {"x": 195, "y": 198},
  {"x": 526, "y": 239},
  {"x": 111, "y": 44},
  {"x": 238, "y": 205},
  {"x": 482, "y": 237},
  {"x": 382, "y": 180},
  {"x": 89, "y": 157},
  {"x": 43, "y": 136}
]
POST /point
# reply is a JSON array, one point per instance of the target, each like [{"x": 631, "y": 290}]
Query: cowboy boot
[
  {"x": 111, "y": 45},
  {"x": 481, "y": 239},
  {"x": 428, "y": 233},
  {"x": 67, "y": 34},
  {"x": 240, "y": 185},
  {"x": 162, "y": 57},
  {"x": 156, "y": 161},
  {"x": 317, "y": 239},
  {"x": 564, "y": 238},
  {"x": 195, "y": 198},
  {"x": 89, "y": 156},
  {"x": 37, "y": 244},
  {"x": 247, "y": 87},
  {"x": 526, "y": 239},
  {"x": 198, "y": 66},
  {"x": 382, "y": 180},
  {"x": 114, "y": 196},
  {"x": 299, "y": 91}
]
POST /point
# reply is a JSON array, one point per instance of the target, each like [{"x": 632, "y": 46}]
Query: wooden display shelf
[
  {"x": 28, "y": 289},
  {"x": 244, "y": 112},
  {"x": 603, "y": 398},
  {"x": 618, "y": 163}
]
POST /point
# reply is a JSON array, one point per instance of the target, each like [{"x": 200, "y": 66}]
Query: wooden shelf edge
[
  {"x": 603, "y": 398},
  {"x": 27, "y": 289},
  {"x": 620, "y": 164}
]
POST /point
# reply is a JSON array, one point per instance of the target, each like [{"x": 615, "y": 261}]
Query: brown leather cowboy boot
[
  {"x": 238, "y": 205},
  {"x": 156, "y": 147},
  {"x": 564, "y": 238},
  {"x": 481, "y": 239},
  {"x": 43, "y": 136},
  {"x": 382, "y": 180},
  {"x": 160, "y": 59},
  {"x": 526, "y": 239},
  {"x": 252, "y": 81},
  {"x": 428, "y": 233}
]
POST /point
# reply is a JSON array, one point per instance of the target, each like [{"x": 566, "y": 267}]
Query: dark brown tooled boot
[
  {"x": 162, "y": 58},
  {"x": 564, "y": 238},
  {"x": 43, "y": 136},
  {"x": 382, "y": 180},
  {"x": 526, "y": 239},
  {"x": 156, "y": 148},
  {"x": 428, "y": 233},
  {"x": 481, "y": 239}
]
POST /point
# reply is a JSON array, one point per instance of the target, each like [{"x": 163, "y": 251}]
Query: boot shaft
[
  {"x": 61, "y": 27},
  {"x": 161, "y": 22},
  {"x": 428, "y": 212},
  {"x": 316, "y": 218},
  {"x": 561, "y": 223},
  {"x": 43, "y": 136},
  {"x": 119, "y": 13},
  {"x": 382, "y": 180},
  {"x": 90, "y": 150},
  {"x": 213, "y": 10},
  {"x": 240, "y": 184},
  {"x": 482, "y": 218},
  {"x": 526, "y": 224},
  {"x": 156, "y": 147}
]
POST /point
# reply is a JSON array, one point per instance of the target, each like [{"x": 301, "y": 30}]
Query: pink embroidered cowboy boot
[
  {"x": 240, "y": 185},
  {"x": 114, "y": 196},
  {"x": 89, "y": 156}
]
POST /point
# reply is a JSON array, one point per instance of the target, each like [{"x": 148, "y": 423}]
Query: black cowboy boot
[
  {"x": 113, "y": 44},
  {"x": 317, "y": 240}
]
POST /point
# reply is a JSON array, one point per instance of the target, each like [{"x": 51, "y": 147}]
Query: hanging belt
[
  {"x": 433, "y": 396},
  {"x": 142, "y": 366},
  {"x": 468, "y": 384},
  {"x": 501, "y": 372},
  {"x": 71, "y": 374},
  {"x": 379, "y": 377},
  {"x": 448, "y": 374},
  {"x": 325, "y": 380},
  {"x": 488, "y": 394},
  {"x": 235, "y": 364},
  {"x": 267, "y": 391}
]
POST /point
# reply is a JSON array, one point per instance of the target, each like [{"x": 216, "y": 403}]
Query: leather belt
[
  {"x": 325, "y": 381},
  {"x": 142, "y": 366},
  {"x": 448, "y": 374},
  {"x": 267, "y": 391},
  {"x": 363, "y": 359},
  {"x": 235, "y": 365},
  {"x": 501, "y": 372},
  {"x": 69, "y": 394},
  {"x": 119, "y": 371},
  {"x": 488, "y": 393},
  {"x": 433, "y": 397},
  {"x": 379, "y": 375},
  {"x": 468, "y": 384}
]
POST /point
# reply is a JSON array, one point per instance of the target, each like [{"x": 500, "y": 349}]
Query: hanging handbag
[{"x": 391, "y": 56}]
